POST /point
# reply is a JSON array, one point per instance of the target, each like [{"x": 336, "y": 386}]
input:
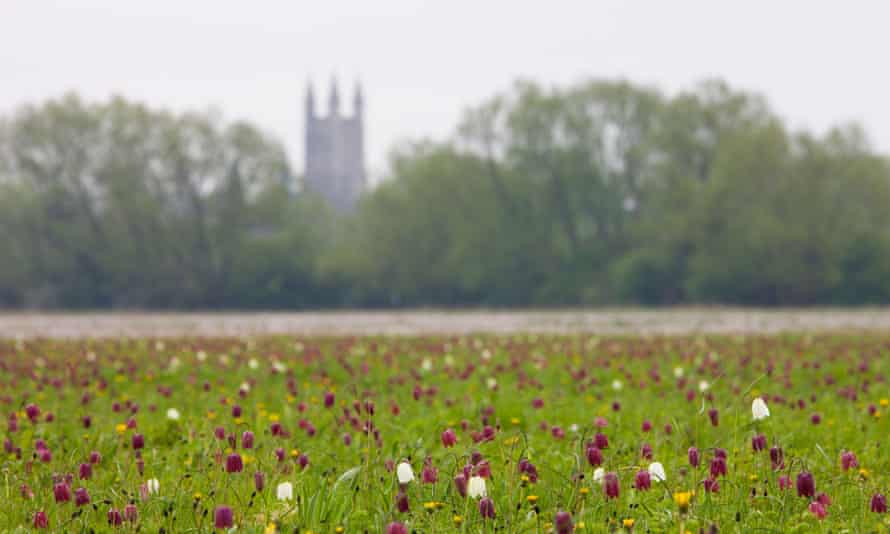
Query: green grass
[{"x": 354, "y": 487}]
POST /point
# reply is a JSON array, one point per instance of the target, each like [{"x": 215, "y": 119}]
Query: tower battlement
[{"x": 335, "y": 151}]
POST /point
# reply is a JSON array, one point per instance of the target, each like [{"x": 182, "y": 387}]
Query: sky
[{"x": 422, "y": 63}]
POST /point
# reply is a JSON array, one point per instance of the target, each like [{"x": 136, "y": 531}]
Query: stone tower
[{"x": 335, "y": 150}]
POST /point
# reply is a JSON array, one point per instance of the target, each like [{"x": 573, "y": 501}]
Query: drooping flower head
[
  {"x": 486, "y": 508},
  {"x": 878, "y": 503},
  {"x": 223, "y": 517},
  {"x": 284, "y": 491},
  {"x": 656, "y": 470},
  {"x": 759, "y": 410},
  {"x": 642, "y": 480},
  {"x": 610, "y": 485},
  {"x": 806, "y": 485},
  {"x": 563, "y": 523},
  {"x": 404, "y": 473},
  {"x": 476, "y": 487},
  {"x": 694, "y": 456}
]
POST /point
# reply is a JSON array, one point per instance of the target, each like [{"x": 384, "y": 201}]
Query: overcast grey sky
[{"x": 422, "y": 63}]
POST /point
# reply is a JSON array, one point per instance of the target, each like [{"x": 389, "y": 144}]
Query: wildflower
[
  {"x": 81, "y": 497},
  {"x": 617, "y": 385},
  {"x": 33, "y": 412},
  {"x": 429, "y": 474},
  {"x": 878, "y": 503},
  {"x": 704, "y": 386},
  {"x": 404, "y": 473},
  {"x": 646, "y": 426},
  {"x": 173, "y": 414},
  {"x": 40, "y": 520},
  {"x": 114, "y": 517},
  {"x": 598, "y": 474},
  {"x": 610, "y": 485},
  {"x": 711, "y": 485},
  {"x": 402, "y": 504},
  {"x": 718, "y": 467},
  {"x": 130, "y": 513},
  {"x": 601, "y": 441},
  {"x": 784, "y": 482},
  {"x": 759, "y": 409},
  {"x": 486, "y": 508},
  {"x": 62, "y": 492},
  {"x": 460, "y": 483},
  {"x": 682, "y": 499},
  {"x": 646, "y": 451},
  {"x": 642, "y": 480},
  {"x": 247, "y": 439},
  {"x": 848, "y": 460},
  {"x": 816, "y": 418},
  {"x": 153, "y": 485},
  {"x": 656, "y": 470},
  {"x": 85, "y": 471},
  {"x": 628, "y": 523},
  {"x": 476, "y": 487},
  {"x": 818, "y": 510},
  {"x": 259, "y": 480},
  {"x": 563, "y": 523},
  {"x": 222, "y": 517},
  {"x": 449, "y": 438},
  {"x": 806, "y": 485},
  {"x": 138, "y": 441},
  {"x": 234, "y": 463},
  {"x": 396, "y": 528},
  {"x": 714, "y": 415},
  {"x": 594, "y": 456},
  {"x": 532, "y": 499},
  {"x": 758, "y": 442},
  {"x": 693, "y": 456},
  {"x": 284, "y": 491}
]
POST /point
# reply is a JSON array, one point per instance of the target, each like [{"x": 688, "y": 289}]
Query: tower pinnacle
[{"x": 334, "y": 101}]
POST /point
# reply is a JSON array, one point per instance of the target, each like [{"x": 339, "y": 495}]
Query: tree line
[{"x": 598, "y": 193}]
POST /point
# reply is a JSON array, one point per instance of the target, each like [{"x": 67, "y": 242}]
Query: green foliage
[{"x": 596, "y": 193}]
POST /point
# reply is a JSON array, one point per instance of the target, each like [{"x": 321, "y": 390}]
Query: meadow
[{"x": 519, "y": 433}]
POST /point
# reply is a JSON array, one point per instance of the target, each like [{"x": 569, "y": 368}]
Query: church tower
[{"x": 335, "y": 151}]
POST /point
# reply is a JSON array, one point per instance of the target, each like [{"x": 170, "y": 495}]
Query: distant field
[{"x": 418, "y": 322}]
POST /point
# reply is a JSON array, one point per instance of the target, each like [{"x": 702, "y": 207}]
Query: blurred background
[{"x": 309, "y": 155}]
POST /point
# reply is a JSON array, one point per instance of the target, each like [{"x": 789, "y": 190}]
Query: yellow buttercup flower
[
  {"x": 120, "y": 428},
  {"x": 532, "y": 499},
  {"x": 457, "y": 520},
  {"x": 628, "y": 523},
  {"x": 884, "y": 402},
  {"x": 682, "y": 499}
]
